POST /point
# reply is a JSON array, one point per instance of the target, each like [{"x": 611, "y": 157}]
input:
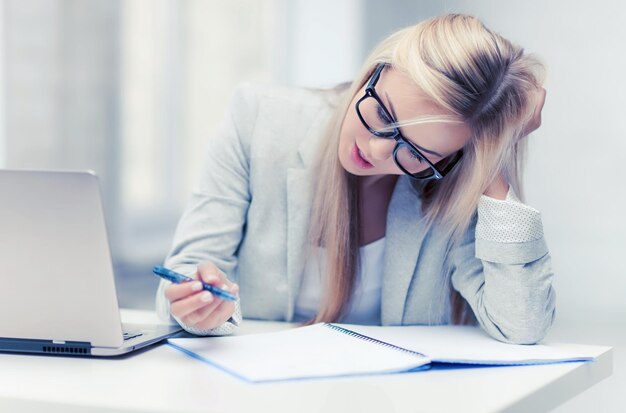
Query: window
[{"x": 127, "y": 89}]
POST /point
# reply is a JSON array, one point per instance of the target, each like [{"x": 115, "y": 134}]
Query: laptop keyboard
[{"x": 132, "y": 334}]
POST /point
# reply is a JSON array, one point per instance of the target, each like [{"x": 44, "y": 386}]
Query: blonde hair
[{"x": 486, "y": 82}]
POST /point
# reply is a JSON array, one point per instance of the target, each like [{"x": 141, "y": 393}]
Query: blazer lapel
[
  {"x": 404, "y": 236},
  {"x": 299, "y": 198}
]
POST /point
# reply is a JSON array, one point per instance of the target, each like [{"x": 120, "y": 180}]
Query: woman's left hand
[
  {"x": 499, "y": 188},
  {"x": 535, "y": 120}
]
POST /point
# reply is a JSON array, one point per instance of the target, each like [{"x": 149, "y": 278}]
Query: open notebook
[{"x": 335, "y": 350}]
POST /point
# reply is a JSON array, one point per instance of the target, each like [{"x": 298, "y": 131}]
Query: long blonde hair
[{"x": 476, "y": 74}]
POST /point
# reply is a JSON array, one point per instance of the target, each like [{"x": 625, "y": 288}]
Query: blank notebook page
[
  {"x": 304, "y": 352},
  {"x": 465, "y": 344}
]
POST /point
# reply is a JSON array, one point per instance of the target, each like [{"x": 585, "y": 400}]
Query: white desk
[{"x": 163, "y": 379}]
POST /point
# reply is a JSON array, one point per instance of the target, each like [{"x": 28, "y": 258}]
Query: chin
[{"x": 358, "y": 172}]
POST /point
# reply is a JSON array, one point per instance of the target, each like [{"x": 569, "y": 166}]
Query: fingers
[
  {"x": 188, "y": 305},
  {"x": 213, "y": 315},
  {"x": 535, "y": 121},
  {"x": 540, "y": 101},
  {"x": 175, "y": 292},
  {"x": 542, "y": 98},
  {"x": 210, "y": 274},
  {"x": 203, "y": 310},
  {"x": 208, "y": 270},
  {"x": 198, "y": 308}
]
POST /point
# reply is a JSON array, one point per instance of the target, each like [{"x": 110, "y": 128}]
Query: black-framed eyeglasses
[{"x": 379, "y": 122}]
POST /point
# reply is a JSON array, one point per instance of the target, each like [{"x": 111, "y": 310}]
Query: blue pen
[{"x": 178, "y": 278}]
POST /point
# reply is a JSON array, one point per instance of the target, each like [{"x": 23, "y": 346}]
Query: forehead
[{"x": 409, "y": 101}]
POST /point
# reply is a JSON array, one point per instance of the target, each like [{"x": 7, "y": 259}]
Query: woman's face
[{"x": 364, "y": 154}]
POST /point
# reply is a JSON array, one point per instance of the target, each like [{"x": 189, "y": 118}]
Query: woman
[{"x": 392, "y": 201}]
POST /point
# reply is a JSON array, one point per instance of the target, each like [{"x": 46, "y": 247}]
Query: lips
[
  {"x": 359, "y": 159},
  {"x": 362, "y": 155}
]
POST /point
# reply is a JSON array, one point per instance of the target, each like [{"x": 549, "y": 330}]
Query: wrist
[{"x": 498, "y": 189}]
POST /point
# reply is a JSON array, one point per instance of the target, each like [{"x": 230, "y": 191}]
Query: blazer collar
[{"x": 404, "y": 235}]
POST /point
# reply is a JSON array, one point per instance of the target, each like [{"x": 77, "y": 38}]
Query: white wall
[
  {"x": 60, "y": 88},
  {"x": 2, "y": 93},
  {"x": 323, "y": 43},
  {"x": 576, "y": 165}
]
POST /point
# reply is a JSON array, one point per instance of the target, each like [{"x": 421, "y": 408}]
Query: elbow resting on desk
[
  {"x": 529, "y": 327},
  {"x": 528, "y": 335}
]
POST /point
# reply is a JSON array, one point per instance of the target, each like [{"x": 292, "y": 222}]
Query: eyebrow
[{"x": 393, "y": 112}]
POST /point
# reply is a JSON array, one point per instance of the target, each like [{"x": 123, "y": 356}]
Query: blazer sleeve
[
  {"x": 503, "y": 270},
  {"x": 212, "y": 225}
]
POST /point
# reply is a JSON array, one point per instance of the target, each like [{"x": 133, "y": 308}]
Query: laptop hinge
[{"x": 22, "y": 345}]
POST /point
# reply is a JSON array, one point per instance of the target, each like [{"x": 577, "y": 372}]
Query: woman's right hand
[{"x": 198, "y": 308}]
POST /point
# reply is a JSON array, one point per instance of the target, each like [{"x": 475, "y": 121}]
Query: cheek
[
  {"x": 351, "y": 127},
  {"x": 346, "y": 140}
]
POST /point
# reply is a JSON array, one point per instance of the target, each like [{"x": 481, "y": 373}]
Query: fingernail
[
  {"x": 206, "y": 297},
  {"x": 196, "y": 286},
  {"x": 224, "y": 287},
  {"x": 210, "y": 278}
]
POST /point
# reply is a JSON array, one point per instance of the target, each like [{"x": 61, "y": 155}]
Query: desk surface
[{"x": 162, "y": 379}]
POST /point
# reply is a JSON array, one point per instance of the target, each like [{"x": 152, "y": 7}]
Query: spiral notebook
[{"x": 338, "y": 350}]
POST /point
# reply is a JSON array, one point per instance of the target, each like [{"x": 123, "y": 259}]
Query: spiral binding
[{"x": 372, "y": 340}]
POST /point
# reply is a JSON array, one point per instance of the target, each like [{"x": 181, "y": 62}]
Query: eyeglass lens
[{"x": 380, "y": 124}]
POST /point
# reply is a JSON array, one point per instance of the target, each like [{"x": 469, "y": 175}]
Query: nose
[{"x": 381, "y": 148}]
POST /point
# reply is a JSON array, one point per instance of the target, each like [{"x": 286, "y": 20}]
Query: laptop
[{"x": 57, "y": 286}]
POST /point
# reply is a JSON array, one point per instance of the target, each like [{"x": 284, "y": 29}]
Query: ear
[{"x": 535, "y": 120}]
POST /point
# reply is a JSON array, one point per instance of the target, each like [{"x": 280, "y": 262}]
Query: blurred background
[{"x": 133, "y": 89}]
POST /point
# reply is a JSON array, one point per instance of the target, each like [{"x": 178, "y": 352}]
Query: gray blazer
[{"x": 250, "y": 210}]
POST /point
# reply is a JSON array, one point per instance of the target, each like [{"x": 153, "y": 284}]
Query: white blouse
[{"x": 365, "y": 303}]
